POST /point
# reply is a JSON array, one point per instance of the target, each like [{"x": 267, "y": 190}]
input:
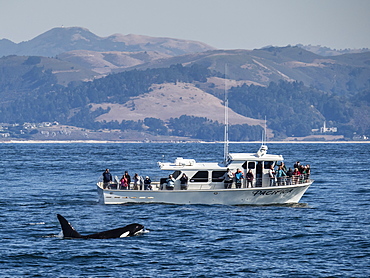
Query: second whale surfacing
[{"x": 127, "y": 231}]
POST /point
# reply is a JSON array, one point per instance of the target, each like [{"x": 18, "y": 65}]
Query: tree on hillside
[
  {"x": 156, "y": 126},
  {"x": 289, "y": 107}
]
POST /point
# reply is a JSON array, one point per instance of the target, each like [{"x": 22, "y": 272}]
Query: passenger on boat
[
  {"x": 280, "y": 176},
  {"x": 123, "y": 184},
  {"x": 283, "y": 167},
  {"x": 272, "y": 175},
  {"x": 302, "y": 170},
  {"x": 107, "y": 178},
  {"x": 228, "y": 179},
  {"x": 147, "y": 183},
  {"x": 249, "y": 176},
  {"x": 137, "y": 182},
  {"x": 308, "y": 172},
  {"x": 289, "y": 174},
  {"x": 238, "y": 178},
  {"x": 170, "y": 183},
  {"x": 296, "y": 175},
  {"x": 128, "y": 180},
  {"x": 184, "y": 181}
]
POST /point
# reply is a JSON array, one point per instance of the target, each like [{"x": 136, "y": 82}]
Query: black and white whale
[{"x": 129, "y": 230}]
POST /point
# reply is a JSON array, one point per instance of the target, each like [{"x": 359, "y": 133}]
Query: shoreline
[{"x": 172, "y": 142}]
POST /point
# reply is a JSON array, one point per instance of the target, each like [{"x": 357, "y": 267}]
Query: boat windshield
[{"x": 176, "y": 174}]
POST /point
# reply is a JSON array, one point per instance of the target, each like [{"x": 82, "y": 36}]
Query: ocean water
[{"x": 326, "y": 235}]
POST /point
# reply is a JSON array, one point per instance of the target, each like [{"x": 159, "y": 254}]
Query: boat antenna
[
  {"x": 264, "y": 133},
  {"x": 226, "y": 105},
  {"x": 263, "y": 149}
]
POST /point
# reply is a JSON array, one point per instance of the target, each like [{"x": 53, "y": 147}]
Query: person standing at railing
[
  {"x": 280, "y": 175},
  {"x": 184, "y": 181},
  {"x": 170, "y": 183},
  {"x": 272, "y": 175},
  {"x": 147, "y": 183},
  {"x": 228, "y": 179},
  {"x": 137, "y": 182},
  {"x": 289, "y": 174},
  {"x": 282, "y": 164},
  {"x": 128, "y": 180},
  {"x": 249, "y": 176},
  {"x": 302, "y": 169},
  {"x": 296, "y": 175},
  {"x": 107, "y": 178},
  {"x": 308, "y": 172},
  {"x": 238, "y": 178},
  {"x": 123, "y": 183}
]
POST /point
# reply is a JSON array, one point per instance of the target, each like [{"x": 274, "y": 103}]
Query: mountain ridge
[
  {"x": 135, "y": 89},
  {"x": 63, "y": 39}
]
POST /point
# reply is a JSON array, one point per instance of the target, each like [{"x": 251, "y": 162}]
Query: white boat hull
[{"x": 245, "y": 196}]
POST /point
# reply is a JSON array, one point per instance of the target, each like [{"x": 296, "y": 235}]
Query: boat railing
[
  {"x": 295, "y": 179},
  {"x": 258, "y": 182},
  {"x": 278, "y": 181},
  {"x": 115, "y": 184}
]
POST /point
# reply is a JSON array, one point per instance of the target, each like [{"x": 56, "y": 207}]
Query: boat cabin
[{"x": 210, "y": 175}]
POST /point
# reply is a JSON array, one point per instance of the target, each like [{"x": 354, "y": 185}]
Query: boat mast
[
  {"x": 226, "y": 134},
  {"x": 263, "y": 149},
  {"x": 264, "y": 134},
  {"x": 265, "y": 130}
]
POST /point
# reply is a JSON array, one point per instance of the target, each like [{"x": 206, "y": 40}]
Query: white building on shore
[{"x": 325, "y": 129}]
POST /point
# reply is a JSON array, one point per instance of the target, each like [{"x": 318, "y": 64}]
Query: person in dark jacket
[
  {"x": 289, "y": 174},
  {"x": 249, "y": 176},
  {"x": 107, "y": 178},
  {"x": 184, "y": 182},
  {"x": 147, "y": 183},
  {"x": 127, "y": 176}
]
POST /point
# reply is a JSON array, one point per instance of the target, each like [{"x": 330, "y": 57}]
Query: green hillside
[{"x": 290, "y": 107}]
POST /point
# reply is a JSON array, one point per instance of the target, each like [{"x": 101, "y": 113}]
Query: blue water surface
[{"x": 326, "y": 235}]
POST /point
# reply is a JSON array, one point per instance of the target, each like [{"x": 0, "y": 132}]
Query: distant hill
[
  {"x": 343, "y": 74},
  {"x": 19, "y": 71},
  {"x": 326, "y": 51},
  {"x": 59, "y": 40},
  {"x": 107, "y": 62},
  {"x": 89, "y": 56}
]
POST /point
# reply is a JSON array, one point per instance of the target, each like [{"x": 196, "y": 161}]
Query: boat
[{"x": 206, "y": 183}]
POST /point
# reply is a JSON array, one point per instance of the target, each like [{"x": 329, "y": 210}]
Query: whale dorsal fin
[{"x": 68, "y": 230}]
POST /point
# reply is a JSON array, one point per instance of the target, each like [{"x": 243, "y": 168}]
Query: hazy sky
[{"x": 225, "y": 24}]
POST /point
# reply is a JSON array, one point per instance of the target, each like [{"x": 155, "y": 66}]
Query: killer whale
[{"x": 127, "y": 231}]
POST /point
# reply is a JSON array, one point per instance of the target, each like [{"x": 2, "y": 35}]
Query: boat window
[
  {"x": 249, "y": 165},
  {"x": 267, "y": 164},
  {"x": 216, "y": 176},
  {"x": 176, "y": 174},
  {"x": 200, "y": 176}
]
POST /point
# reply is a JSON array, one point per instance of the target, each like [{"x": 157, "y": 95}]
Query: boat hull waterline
[{"x": 243, "y": 196}]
